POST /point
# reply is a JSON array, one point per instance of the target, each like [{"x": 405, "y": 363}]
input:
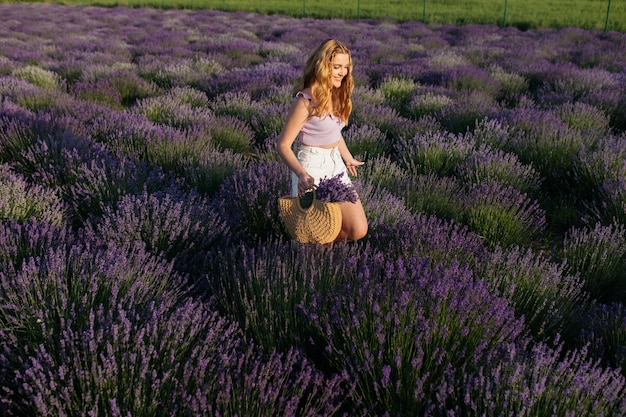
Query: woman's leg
[{"x": 354, "y": 222}]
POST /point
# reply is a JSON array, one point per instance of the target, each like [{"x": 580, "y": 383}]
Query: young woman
[{"x": 319, "y": 112}]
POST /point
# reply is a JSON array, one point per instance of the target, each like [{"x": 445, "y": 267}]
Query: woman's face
[{"x": 339, "y": 68}]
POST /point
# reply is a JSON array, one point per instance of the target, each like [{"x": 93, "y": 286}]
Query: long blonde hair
[{"x": 317, "y": 75}]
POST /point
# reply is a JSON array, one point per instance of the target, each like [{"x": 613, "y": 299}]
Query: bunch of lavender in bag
[{"x": 334, "y": 190}]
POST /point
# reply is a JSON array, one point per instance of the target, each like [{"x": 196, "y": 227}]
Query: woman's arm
[
  {"x": 347, "y": 157},
  {"x": 297, "y": 116}
]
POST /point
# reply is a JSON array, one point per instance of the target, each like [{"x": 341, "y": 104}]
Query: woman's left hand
[{"x": 351, "y": 166}]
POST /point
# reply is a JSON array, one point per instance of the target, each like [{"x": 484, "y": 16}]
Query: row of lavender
[{"x": 144, "y": 270}]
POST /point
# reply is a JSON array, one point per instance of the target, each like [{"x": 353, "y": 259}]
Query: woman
[{"x": 319, "y": 112}]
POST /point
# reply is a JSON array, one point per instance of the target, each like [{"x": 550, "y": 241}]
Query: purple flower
[{"x": 334, "y": 190}]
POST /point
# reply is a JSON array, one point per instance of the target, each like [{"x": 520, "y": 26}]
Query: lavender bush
[
  {"x": 180, "y": 226},
  {"x": 228, "y": 132},
  {"x": 429, "y": 237},
  {"x": 40, "y": 77},
  {"x": 381, "y": 206},
  {"x": 172, "y": 72},
  {"x": 542, "y": 139},
  {"x": 269, "y": 122},
  {"x": 21, "y": 241},
  {"x": 486, "y": 164},
  {"x": 588, "y": 119},
  {"x": 434, "y": 152},
  {"x": 543, "y": 292},
  {"x": 263, "y": 287},
  {"x": 21, "y": 201},
  {"x": 492, "y": 133},
  {"x": 403, "y": 331},
  {"x": 87, "y": 176},
  {"x": 237, "y": 104},
  {"x": 598, "y": 255},
  {"x": 398, "y": 91},
  {"x": 248, "y": 200},
  {"x": 600, "y": 174},
  {"x": 532, "y": 383},
  {"x": 366, "y": 140},
  {"x": 384, "y": 118},
  {"x": 460, "y": 115},
  {"x": 426, "y": 103},
  {"x": 604, "y": 331},
  {"x": 283, "y": 384},
  {"x": 208, "y": 170},
  {"x": 431, "y": 194},
  {"x": 512, "y": 85},
  {"x": 503, "y": 215},
  {"x": 100, "y": 90},
  {"x": 171, "y": 111},
  {"x": 382, "y": 171}
]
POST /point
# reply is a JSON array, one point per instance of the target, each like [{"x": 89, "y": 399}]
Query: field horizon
[{"x": 534, "y": 14}]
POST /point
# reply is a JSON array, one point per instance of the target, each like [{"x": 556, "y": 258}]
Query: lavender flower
[{"x": 334, "y": 190}]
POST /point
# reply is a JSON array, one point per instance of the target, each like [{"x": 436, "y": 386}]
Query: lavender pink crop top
[{"x": 319, "y": 131}]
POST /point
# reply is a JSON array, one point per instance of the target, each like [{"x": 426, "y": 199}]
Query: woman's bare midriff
[{"x": 329, "y": 146}]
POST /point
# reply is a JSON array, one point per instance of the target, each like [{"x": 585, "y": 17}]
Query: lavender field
[{"x": 144, "y": 270}]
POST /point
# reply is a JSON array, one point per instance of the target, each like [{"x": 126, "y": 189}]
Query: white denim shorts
[{"x": 319, "y": 163}]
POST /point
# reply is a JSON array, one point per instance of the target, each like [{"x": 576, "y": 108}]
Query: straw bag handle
[{"x": 313, "y": 190}]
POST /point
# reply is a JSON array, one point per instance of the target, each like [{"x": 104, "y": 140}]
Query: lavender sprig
[{"x": 333, "y": 190}]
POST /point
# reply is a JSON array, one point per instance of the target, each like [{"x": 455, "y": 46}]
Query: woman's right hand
[{"x": 305, "y": 182}]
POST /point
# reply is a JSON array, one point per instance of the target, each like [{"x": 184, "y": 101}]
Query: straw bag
[{"x": 309, "y": 220}]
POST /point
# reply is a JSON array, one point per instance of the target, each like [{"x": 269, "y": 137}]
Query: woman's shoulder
[{"x": 307, "y": 95}]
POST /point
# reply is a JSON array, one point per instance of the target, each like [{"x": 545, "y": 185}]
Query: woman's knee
[
  {"x": 354, "y": 230},
  {"x": 358, "y": 231},
  {"x": 354, "y": 225}
]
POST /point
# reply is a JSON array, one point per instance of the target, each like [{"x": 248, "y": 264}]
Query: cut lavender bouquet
[{"x": 334, "y": 190}]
